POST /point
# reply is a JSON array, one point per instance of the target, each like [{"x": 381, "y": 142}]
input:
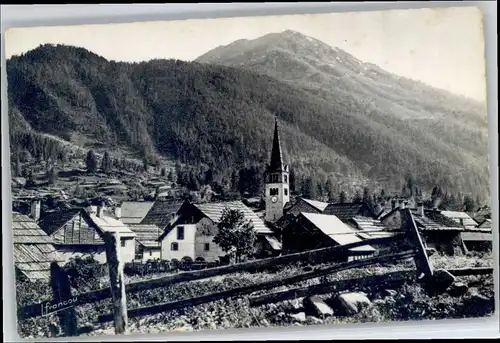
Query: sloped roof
[
  {"x": 367, "y": 223},
  {"x": 161, "y": 212},
  {"x": 33, "y": 248},
  {"x": 273, "y": 242},
  {"x": 457, "y": 217},
  {"x": 147, "y": 235},
  {"x": 52, "y": 221},
  {"x": 133, "y": 212},
  {"x": 346, "y": 211},
  {"x": 337, "y": 230},
  {"x": 108, "y": 224},
  {"x": 214, "y": 211},
  {"x": 319, "y": 205}
]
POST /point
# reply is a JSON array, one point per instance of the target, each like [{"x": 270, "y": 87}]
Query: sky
[{"x": 442, "y": 47}]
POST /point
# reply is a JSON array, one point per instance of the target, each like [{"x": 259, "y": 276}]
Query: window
[
  {"x": 207, "y": 246},
  {"x": 273, "y": 191},
  {"x": 123, "y": 243},
  {"x": 275, "y": 178},
  {"x": 286, "y": 191},
  {"x": 174, "y": 246},
  {"x": 285, "y": 178},
  {"x": 180, "y": 233}
]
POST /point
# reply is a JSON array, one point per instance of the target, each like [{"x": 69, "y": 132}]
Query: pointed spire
[{"x": 276, "y": 157}]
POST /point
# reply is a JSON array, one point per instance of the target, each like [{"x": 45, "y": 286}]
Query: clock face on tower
[{"x": 274, "y": 199}]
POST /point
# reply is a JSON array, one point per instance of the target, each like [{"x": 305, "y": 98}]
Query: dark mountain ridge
[{"x": 223, "y": 117}]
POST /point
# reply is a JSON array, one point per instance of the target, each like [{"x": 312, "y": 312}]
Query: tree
[
  {"x": 357, "y": 197},
  {"x": 342, "y": 197},
  {"x": 235, "y": 234},
  {"x": 52, "y": 176},
  {"x": 170, "y": 176},
  {"x": 292, "y": 180},
  {"x": 106, "y": 163},
  {"x": 209, "y": 177},
  {"x": 91, "y": 162},
  {"x": 163, "y": 172},
  {"x": 366, "y": 194},
  {"x": 469, "y": 203},
  {"x": 330, "y": 190}
]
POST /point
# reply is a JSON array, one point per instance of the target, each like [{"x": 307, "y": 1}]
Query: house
[
  {"x": 438, "y": 231},
  {"x": 161, "y": 213},
  {"x": 313, "y": 231},
  {"x": 133, "y": 212},
  {"x": 191, "y": 232},
  {"x": 347, "y": 211},
  {"x": 78, "y": 232},
  {"x": 34, "y": 250},
  {"x": 147, "y": 246}
]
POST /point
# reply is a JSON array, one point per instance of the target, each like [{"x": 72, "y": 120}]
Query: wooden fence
[{"x": 118, "y": 289}]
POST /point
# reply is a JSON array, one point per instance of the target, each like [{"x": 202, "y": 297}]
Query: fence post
[
  {"x": 421, "y": 259},
  {"x": 61, "y": 290},
  {"x": 117, "y": 281}
]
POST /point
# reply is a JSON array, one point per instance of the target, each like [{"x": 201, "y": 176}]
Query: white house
[{"x": 192, "y": 230}]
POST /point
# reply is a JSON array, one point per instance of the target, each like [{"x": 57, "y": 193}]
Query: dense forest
[{"x": 219, "y": 120}]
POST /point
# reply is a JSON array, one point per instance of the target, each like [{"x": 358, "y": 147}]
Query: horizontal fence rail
[
  {"x": 149, "y": 310},
  {"x": 311, "y": 256}
]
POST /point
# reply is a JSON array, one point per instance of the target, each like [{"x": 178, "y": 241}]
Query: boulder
[
  {"x": 458, "y": 289},
  {"x": 317, "y": 306},
  {"x": 441, "y": 280},
  {"x": 351, "y": 303},
  {"x": 299, "y": 317},
  {"x": 389, "y": 293}
]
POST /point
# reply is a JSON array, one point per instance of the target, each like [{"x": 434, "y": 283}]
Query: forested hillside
[{"x": 222, "y": 118}]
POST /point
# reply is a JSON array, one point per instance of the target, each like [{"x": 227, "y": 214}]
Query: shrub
[{"x": 85, "y": 273}]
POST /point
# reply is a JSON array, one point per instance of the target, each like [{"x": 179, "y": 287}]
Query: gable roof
[
  {"x": 367, "y": 223},
  {"x": 108, "y": 224},
  {"x": 346, "y": 211},
  {"x": 161, "y": 212},
  {"x": 146, "y": 234},
  {"x": 319, "y": 205},
  {"x": 459, "y": 218},
  {"x": 133, "y": 212},
  {"x": 33, "y": 248},
  {"x": 50, "y": 222},
  {"x": 337, "y": 230},
  {"x": 213, "y": 211}
]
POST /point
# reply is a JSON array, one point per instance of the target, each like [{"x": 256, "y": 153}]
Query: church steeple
[
  {"x": 276, "y": 156},
  {"x": 277, "y": 188}
]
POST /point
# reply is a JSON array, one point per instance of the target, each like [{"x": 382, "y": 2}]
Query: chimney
[
  {"x": 461, "y": 221},
  {"x": 420, "y": 208},
  {"x": 100, "y": 210},
  {"x": 35, "y": 209},
  {"x": 393, "y": 203},
  {"x": 401, "y": 204},
  {"x": 118, "y": 212}
]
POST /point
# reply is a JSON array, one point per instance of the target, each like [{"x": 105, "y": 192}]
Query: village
[{"x": 165, "y": 234}]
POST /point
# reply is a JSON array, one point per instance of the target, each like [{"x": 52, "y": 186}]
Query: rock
[
  {"x": 389, "y": 293},
  {"x": 441, "y": 280},
  {"x": 458, "y": 289},
  {"x": 315, "y": 320},
  {"x": 351, "y": 303},
  {"x": 299, "y": 317},
  {"x": 317, "y": 306}
]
